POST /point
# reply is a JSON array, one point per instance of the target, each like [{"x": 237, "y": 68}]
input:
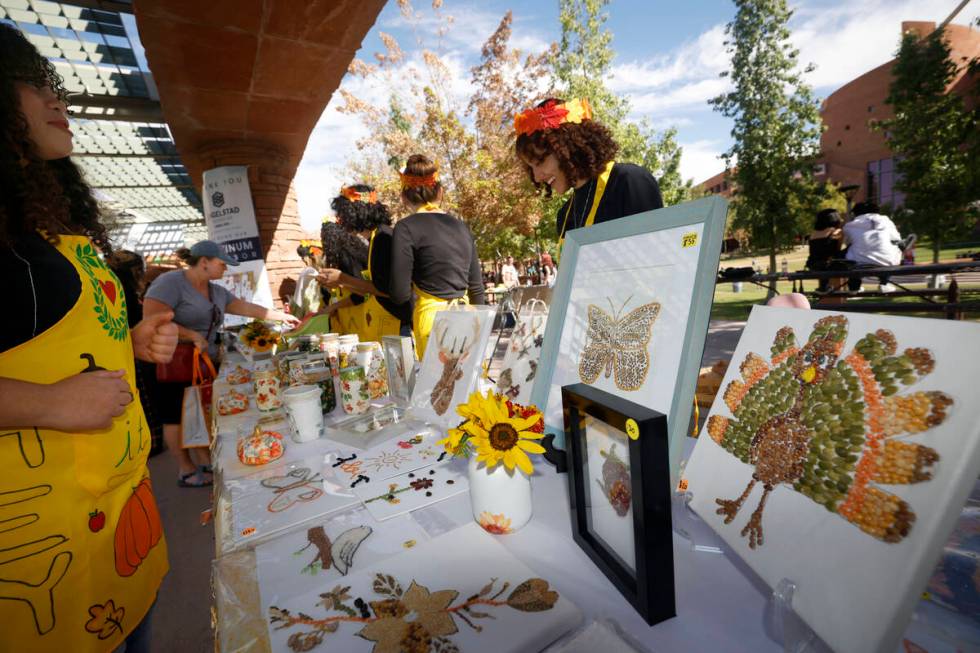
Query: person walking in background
[
  {"x": 433, "y": 254},
  {"x": 508, "y": 273},
  {"x": 825, "y": 243},
  {"x": 68, "y": 395},
  {"x": 548, "y": 272},
  {"x": 563, "y": 148},
  {"x": 199, "y": 306}
]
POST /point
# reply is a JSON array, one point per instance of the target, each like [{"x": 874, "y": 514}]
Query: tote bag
[{"x": 195, "y": 420}]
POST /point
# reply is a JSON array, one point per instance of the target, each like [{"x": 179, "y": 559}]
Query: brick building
[{"x": 852, "y": 154}]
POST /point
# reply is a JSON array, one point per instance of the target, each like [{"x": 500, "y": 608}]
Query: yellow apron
[
  {"x": 424, "y": 313},
  {"x": 378, "y": 321},
  {"x": 82, "y": 552},
  {"x": 351, "y": 319},
  {"x": 600, "y": 188}
]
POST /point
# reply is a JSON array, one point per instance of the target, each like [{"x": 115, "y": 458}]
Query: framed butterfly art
[{"x": 630, "y": 312}]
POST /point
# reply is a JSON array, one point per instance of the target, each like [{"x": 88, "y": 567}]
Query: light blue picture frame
[{"x": 710, "y": 212}]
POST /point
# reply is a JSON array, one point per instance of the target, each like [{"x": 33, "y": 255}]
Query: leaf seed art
[
  {"x": 402, "y": 618},
  {"x": 618, "y": 345},
  {"x": 339, "y": 552},
  {"x": 298, "y": 486},
  {"x": 831, "y": 426},
  {"x": 616, "y": 483}
]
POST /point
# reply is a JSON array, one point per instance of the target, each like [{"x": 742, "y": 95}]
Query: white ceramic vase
[{"x": 501, "y": 498}]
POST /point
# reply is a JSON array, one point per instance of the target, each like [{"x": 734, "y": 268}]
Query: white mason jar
[{"x": 501, "y": 498}]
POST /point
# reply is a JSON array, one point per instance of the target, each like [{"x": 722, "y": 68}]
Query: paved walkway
[{"x": 182, "y": 618}]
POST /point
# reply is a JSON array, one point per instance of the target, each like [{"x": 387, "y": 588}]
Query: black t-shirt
[
  {"x": 380, "y": 265},
  {"x": 630, "y": 190},
  {"x": 40, "y": 286},
  {"x": 436, "y": 252}
]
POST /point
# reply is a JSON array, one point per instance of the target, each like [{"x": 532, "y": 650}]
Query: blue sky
[{"x": 668, "y": 59}]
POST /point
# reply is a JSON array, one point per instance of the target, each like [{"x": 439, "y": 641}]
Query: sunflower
[{"x": 498, "y": 430}]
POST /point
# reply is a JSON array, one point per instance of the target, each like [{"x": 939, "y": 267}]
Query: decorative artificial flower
[{"x": 498, "y": 430}]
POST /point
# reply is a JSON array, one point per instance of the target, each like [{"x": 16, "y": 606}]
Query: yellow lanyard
[
  {"x": 429, "y": 207},
  {"x": 366, "y": 274},
  {"x": 600, "y": 188}
]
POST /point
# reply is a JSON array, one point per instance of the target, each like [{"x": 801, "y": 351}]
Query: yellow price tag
[
  {"x": 632, "y": 429},
  {"x": 690, "y": 239}
]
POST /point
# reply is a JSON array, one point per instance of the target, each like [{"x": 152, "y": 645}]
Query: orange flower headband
[
  {"x": 414, "y": 181},
  {"x": 355, "y": 196},
  {"x": 552, "y": 115}
]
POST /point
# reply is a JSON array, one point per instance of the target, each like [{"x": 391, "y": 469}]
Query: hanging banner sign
[{"x": 230, "y": 217}]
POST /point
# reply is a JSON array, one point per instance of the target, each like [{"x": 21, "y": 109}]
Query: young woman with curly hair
[
  {"x": 358, "y": 210},
  {"x": 345, "y": 251},
  {"x": 433, "y": 256},
  {"x": 86, "y": 567},
  {"x": 563, "y": 148}
]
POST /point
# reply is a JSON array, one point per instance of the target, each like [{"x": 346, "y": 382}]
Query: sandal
[{"x": 185, "y": 480}]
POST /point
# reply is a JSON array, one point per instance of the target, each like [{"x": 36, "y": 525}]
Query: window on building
[{"x": 882, "y": 177}]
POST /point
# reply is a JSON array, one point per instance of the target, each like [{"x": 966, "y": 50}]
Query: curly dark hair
[
  {"x": 583, "y": 149},
  {"x": 38, "y": 195},
  {"x": 360, "y": 216},
  {"x": 342, "y": 249}
]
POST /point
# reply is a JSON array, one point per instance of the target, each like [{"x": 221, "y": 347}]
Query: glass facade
[
  {"x": 881, "y": 184},
  {"x": 122, "y": 144}
]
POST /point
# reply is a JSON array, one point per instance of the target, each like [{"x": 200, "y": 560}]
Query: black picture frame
[{"x": 649, "y": 584}]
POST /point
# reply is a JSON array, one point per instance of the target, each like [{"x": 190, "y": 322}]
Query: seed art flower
[{"x": 498, "y": 431}]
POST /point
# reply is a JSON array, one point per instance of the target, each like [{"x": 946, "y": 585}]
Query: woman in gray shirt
[{"x": 199, "y": 308}]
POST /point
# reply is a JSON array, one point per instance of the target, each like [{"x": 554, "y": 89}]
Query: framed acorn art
[{"x": 619, "y": 486}]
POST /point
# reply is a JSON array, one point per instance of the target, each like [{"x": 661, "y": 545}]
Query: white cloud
[
  {"x": 695, "y": 94},
  {"x": 701, "y": 160},
  {"x": 698, "y": 59}
]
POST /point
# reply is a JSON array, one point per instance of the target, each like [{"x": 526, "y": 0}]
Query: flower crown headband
[
  {"x": 414, "y": 181},
  {"x": 552, "y": 115},
  {"x": 357, "y": 196}
]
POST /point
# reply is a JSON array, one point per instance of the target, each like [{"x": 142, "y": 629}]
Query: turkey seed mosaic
[{"x": 829, "y": 425}]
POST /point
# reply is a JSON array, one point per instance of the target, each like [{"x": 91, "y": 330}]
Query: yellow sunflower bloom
[{"x": 498, "y": 437}]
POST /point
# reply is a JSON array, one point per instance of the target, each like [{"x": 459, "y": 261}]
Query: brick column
[{"x": 276, "y": 211}]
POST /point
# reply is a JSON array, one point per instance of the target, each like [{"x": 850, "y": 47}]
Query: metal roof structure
[{"x": 122, "y": 144}]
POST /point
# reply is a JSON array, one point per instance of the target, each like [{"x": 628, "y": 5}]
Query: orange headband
[
  {"x": 414, "y": 181},
  {"x": 552, "y": 115},
  {"x": 355, "y": 196}
]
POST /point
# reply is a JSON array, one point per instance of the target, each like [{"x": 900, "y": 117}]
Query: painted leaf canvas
[
  {"x": 838, "y": 454},
  {"x": 431, "y": 599}
]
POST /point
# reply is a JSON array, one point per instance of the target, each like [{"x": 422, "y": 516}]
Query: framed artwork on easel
[{"x": 630, "y": 311}]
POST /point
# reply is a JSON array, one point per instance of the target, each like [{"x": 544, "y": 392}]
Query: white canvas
[
  {"x": 294, "y": 563},
  {"x": 282, "y": 496},
  {"x": 399, "y": 456},
  {"x": 619, "y": 277},
  {"x": 520, "y": 365},
  {"x": 606, "y": 460},
  {"x": 856, "y": 589},
  {"x": 425, "y": 589},
  {"x": 445, "y": 378},
  {"x": 412, "y": 490}
]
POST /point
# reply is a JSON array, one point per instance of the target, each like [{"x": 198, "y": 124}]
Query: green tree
[
  {"x": 927, "y": 134},
  {"x": 581, "y": 64},
  {"x": 776, "y": 126}
]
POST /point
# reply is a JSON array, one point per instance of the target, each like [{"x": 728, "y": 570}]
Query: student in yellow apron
[
  {"x": 82, "y": 552},
  {"x": 433, "y": 256},
  {"x": 563, "y": 148},
  {"x": 347, "y": 252},
  {"x": 358, "y": 209}
]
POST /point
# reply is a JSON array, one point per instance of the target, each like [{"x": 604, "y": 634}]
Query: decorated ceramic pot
[
  {"x": 232, "y": 403},
  {"x": 318, "y": 372},
  {"x": 372, "y": 359},
  {"x": 282, "y": 364},
  {"x": 267, "y": 391},
  {"x": 500, "y": 497},
  {"x": 260, "y": 447},
  {"x": 353, "y": 390},
  {"x": 347, "y": 350},
  {"x": 239, "y": 375}
]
